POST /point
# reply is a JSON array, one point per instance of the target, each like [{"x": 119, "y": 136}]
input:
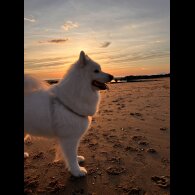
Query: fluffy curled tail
[{"x": 32, "y": 84}]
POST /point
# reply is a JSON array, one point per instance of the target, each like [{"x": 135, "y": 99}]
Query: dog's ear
[
  {"x": 87, "y": 58},
  {"x": 82, "y": 59}
]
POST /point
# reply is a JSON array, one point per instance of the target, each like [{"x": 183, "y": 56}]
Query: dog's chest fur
[{"x": 42, "y": 117}]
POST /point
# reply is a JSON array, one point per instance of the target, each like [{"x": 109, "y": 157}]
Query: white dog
[{"x": 64, "y": 110}]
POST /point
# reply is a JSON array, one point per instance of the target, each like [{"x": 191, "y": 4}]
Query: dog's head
[{"x": 92, "y": 70}]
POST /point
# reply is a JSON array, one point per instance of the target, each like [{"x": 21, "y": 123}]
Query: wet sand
[{"x": 126, "y": 148}]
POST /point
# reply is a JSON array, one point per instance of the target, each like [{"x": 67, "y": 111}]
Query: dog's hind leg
[
  {"x": 26, "y": 155},
  {"x": 26, "y": 138},
  {"x": 69, "y": 149}
]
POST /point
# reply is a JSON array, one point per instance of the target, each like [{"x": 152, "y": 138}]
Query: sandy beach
[{"x": 127, "y": 147}]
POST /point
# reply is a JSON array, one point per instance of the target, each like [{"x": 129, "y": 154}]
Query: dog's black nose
[{"x": 111, "y": 77}]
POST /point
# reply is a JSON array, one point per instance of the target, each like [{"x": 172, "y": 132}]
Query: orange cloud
[
  {"x": 55, "y": 41},
  {"x": 105, "y": 44},
  {"x": 69, "y": 25}
]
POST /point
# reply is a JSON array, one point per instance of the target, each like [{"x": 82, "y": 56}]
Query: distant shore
[{"x": 131, "y": 78}]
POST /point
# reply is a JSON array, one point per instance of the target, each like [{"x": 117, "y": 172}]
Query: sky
[{"x": 126, "y": 37}]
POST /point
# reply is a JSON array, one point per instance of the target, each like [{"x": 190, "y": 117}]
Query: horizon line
[{"x": 119, "y": 76}]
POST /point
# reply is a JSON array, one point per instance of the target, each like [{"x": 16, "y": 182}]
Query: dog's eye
[{"x": 96, "y": 71}]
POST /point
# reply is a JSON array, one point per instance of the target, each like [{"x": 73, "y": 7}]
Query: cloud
[
  {"x": 105, "y": 44},
  {"x": 55, "y": 41},
  {"x": 69, "y": 25},
  {"x": 29, "y": 20},
  {"x": 141, "y": 56},
  {"x": 49, "y": 63}
]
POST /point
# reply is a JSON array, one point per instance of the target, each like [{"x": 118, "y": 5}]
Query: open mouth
[{"x": 99, "y": 85}]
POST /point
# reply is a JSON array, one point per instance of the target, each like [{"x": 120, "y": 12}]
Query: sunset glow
[{"x": 127, "y": 37}]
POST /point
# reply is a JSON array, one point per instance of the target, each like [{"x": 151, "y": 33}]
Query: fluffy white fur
[{"x": 43, "y": 116}]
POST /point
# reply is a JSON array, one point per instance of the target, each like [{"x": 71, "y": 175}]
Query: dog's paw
[
  {"x": 79, "y": 173},
  {"x": 80, "y": 159},
  {"x": 26, "y": 155},
  {"x": 27, "y": 139}
]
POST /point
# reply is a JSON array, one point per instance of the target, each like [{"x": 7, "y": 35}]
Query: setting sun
[{"x": 126, "y": 38}]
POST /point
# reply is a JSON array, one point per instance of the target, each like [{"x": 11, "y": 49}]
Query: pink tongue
[{"x": 101, "y": 86}]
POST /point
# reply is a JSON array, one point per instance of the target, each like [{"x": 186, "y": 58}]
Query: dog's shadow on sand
[{"x": 76, "y": 185}]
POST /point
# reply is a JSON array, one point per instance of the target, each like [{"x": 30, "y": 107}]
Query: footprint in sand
[
  {"x": 151, "y": 150},
  {"x": 116, "y": 170},
  {"x": 161, "y": 181},
  {"x": 163, "y": 129},
  {"x": 137, "y": 115},
  {"x": 131, "y": 149},
  {"x": 136, "y": 191},
  {"x": 138, "y": 138},
  {"x": 40, "y": 155},
  {"x": 143, "y": 143}
]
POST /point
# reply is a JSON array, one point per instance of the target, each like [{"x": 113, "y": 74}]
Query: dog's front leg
[{"x": 69, "y": 148}]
